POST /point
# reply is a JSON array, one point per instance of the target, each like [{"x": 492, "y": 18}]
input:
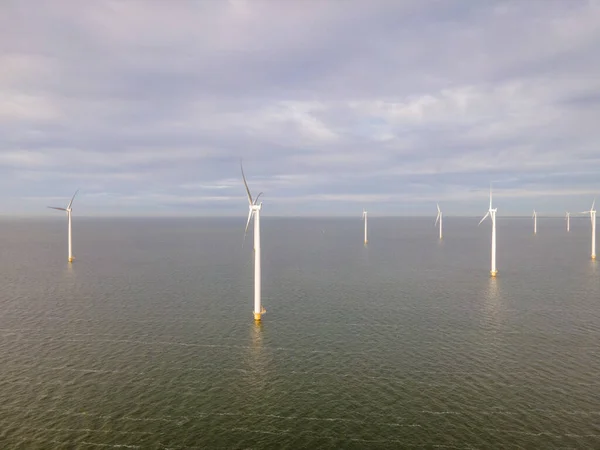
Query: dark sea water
[{"x": 147, "y": 340}]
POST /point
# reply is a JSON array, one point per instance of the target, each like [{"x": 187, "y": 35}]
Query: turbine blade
[
  {"x": 437, "y": 219},
  {"x": 593, "y": 204},
  {"x": 256, "y": 199},
  {"x": 246, "y": 184},
  {"x": 55, "y": 207},
  {"x": 71, "y": 202},
  {"x": 484, "y": 217},
  {"x": 247, "y": 224}
]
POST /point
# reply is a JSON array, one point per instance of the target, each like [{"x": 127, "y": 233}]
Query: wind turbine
[
  {"x": 534, "y": 222},
  {"x": 439, "y": 218},
  {"x": 568, "y": 217},
  {"x": 364, "y": 216},
  {"x": 255, "y": 211},
  {"x": 68, "y": 209},
  {"x": 592, "y": 212},
  {"x": 492, "y": 213}
]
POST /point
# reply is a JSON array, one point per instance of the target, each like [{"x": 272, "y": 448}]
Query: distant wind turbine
[
  {"x": 568, "y": 217},
  {"x": 68, "y": 209},
  {"x": 592, "y": 212},
  {"x": 255, "y": 208},
  {"x": 364, "y": 216},
  {"x": 492, "y": 213},
  {"x": 534, "y": 222},
  {"x": 439, "y": 219}
]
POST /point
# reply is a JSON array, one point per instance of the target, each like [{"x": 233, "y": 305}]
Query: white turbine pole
[
  {"x": 568, "y": 221},
  {"x": 257, "y": 278},
  {"x": 534, "y": 222},
  {"x": 365, "y": 217},
  {"x": 592, "y": 212},
  {"x": 493, "y": 271},
  {"x": 255, "y": 208},
  {"x": 70, "y": 241},
  {"x": 593, "y": 234},
  {"x": 68, "y": 210},
  {"x": 439, "y": 218},
  {"x": 492, "y": 213}
]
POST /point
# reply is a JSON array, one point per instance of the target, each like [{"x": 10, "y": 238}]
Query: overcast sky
[{"x": 148, "y": 106}]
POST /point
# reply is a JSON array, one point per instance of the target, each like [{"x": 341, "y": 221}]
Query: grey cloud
[{"x": 383, "y": 102}]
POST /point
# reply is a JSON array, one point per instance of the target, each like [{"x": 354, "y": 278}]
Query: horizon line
[{"x": 276, "y": 216}]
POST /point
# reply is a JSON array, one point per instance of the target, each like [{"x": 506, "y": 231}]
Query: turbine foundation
[
  {"x": 593, "y": 256},
  {"x": 257, "y": 315},
  {"x": 493, "y": 273},
  {"x": 71, "y": 259}
]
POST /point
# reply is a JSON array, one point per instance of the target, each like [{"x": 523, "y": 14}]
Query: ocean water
[{"x": 147, "y": 340}]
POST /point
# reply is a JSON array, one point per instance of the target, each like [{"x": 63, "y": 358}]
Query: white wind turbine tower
[
  {"x": 439, "y": 218},
  {"x": 492, "y": 213},
  {"x": 534, "y": 222},
  {"x": 68, "y": 209},
  {"x": 364, "y": 216},
  {"x": 568, "y": 217},
  {"x": 592, "y": 212},
  {"x": 255, "y": 211}
]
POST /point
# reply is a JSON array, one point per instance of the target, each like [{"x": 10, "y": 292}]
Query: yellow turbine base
[
  {"x": 71, "y": 259},
  {"x": 366, "y": 242},
  {"x": 494, "y": 273},
  {"x": 593, "y": 256},
  {"x": 257, "y": 316}
]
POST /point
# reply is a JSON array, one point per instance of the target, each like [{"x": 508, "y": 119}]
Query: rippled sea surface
[{"x": 147, "y": 340}]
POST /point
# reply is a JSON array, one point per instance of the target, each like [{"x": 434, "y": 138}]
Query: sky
[{"x": 334, "y": 106}]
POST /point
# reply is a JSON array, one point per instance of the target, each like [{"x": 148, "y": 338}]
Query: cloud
[{"x": 332, "y": 106}]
